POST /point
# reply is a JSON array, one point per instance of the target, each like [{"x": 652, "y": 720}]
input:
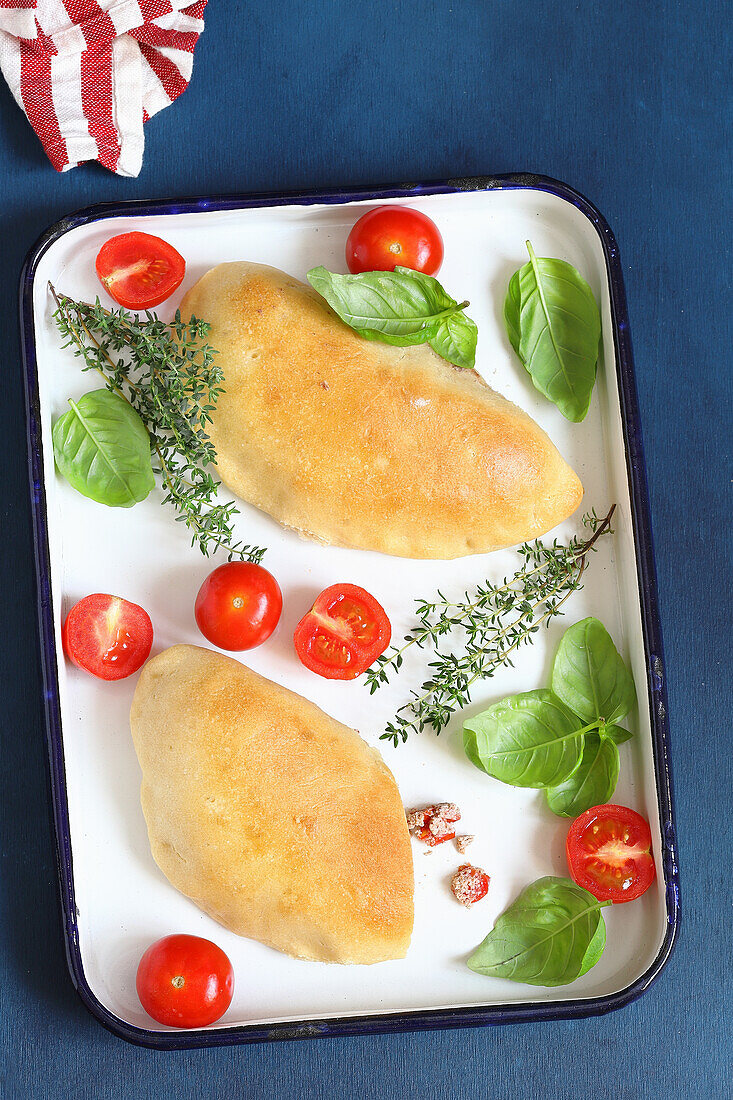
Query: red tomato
[
  {"x": 185, "y": 981},
  {"x": 343, "y": 633},
  {"x": 434, "y": 824},
  {"x": 609, "y": 853},
  {"x": 469, "y": 884},
  {"x": 139, "y": 270},
  {"x": 107, "y": 636},
  {"x": 238, "y": 605},
  {"x": 394, "y": 236}
]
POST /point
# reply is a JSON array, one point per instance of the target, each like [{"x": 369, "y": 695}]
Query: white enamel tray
[{"x": 114, "y": 898}]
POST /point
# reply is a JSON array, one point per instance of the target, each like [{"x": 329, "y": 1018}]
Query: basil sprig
[
  {"x": 554, "y": 326},
  {"x": 550, "y": 935},
  {"x": 102, "y": 448},
  {"x": 401, "y": 307},
  {"x": 563, "y": 739}
]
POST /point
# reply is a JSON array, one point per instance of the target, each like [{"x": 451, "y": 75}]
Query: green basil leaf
[
  {"x": 554, "y": 325},
  {"x": 592, "y": 783},
  {"x": 595, "y": 948},
  {"x": 455, "y": 340},
  {"x": 549, "y": 936},
  {"x": 589, "y": 675},
  {"x": 102, "y": 448},
  {"x": 401, "y": 307},
  {"x": 617, "y": 734},
  {"x": 512, "y": 310},
  {"x": 528, "y": 740},
  {"x": 456, "y": 337},
  {"x": 386, "y": 303}
]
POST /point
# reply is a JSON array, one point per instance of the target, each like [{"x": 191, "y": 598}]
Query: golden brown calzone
[
  {"x": 365, "y": 445},
  {"x": 276, "y": 820}
]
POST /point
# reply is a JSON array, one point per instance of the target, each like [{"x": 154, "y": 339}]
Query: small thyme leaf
[
  {"x": 166, "y": 372},
  {"x": 484, "y": 630}
]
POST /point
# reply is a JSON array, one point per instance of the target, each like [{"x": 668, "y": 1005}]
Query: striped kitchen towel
[{"x": 89, "y": 73}]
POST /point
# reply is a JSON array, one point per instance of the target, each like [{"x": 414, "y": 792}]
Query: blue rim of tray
[{"x": 427, "y": 1019}]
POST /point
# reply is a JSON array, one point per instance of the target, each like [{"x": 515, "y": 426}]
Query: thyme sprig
[
  {"x": 166, "y": 371},
  {"x": 484, "y": 629}
]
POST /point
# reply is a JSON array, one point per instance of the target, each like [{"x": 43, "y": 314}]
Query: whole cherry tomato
[
  {"x": 394, "y": 236},
  {"x": 185, "y": 981},
  {"x": 238, "y": 605}
]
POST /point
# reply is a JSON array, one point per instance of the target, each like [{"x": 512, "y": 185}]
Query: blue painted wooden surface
[{"x": 630, "y": 104}]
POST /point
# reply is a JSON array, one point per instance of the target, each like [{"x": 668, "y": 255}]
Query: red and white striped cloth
[{"x": 89, "y": 73}]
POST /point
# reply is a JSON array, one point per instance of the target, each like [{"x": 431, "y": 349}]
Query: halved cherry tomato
[
  {"x": 185, "y": 981},
  {"x": 609, "y": 853},
  {"x": 139, "y": 270},
  {"x": 107, "y": 636},
  {"x": 343, "y": 633},
  {"x": 238, "y": 605},
  {"x": 392, "y": 236}
]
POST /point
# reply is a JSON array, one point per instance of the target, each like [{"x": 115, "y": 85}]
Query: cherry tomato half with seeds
[
  {"x": 343, "y": 633},
  {"x": 185, "y": 981},
  {"x": 609, "y": 853},
  {"x": 394, "y": 236},
  {"x": 107, "y": 636},
  {"x": 238, "y": 606},
  {"x": 139, "y": 270}
]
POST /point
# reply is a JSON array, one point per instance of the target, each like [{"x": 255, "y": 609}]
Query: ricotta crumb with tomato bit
[
  {"x": 463, "y": 841},
  {"x": 469, "y": 884},
  {"x": 434, "y": 824}
]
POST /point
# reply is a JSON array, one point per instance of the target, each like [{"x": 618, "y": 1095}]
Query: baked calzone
[
  {"x": 365, "y": 445},
  {"x": 275, "y": 819}
]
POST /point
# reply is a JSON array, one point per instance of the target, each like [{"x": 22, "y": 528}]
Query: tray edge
[{"x": 424, "y": 1019}]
